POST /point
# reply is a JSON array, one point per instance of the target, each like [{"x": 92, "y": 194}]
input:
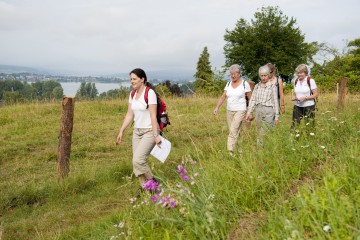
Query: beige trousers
[
  {"x": 143, "y": 142},
  {"x": 264, "y": 118},
  {"x": 234, "y": 119}
]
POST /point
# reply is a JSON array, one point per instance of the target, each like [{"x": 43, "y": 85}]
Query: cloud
[{"x": 109, "y": 36}]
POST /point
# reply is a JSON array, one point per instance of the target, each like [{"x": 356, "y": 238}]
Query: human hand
[
  {"x": 119, "y": 138},
  {"x": 216, "y": 111},
  {"x": 282, "y": 109},
  {"x": 248, "y": 117},
  {"x": 157, "y": 141},
  {"x": 277, "y": 122}
]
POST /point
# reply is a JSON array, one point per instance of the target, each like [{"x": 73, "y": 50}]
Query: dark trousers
[{"x": 306, "y": 113}]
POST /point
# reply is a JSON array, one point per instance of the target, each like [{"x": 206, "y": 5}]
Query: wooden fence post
[
  {"x": 342, "y": 93},
  {"x": 64, "y": 149}
]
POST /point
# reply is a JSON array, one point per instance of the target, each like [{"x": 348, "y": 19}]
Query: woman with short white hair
[
  {"x": 264, "y": 102},
  {"x": 305, "y": 93},
  {"x": 235, "y": 92}
]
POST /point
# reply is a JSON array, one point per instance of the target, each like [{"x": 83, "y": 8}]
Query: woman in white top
[
  {"x": 146, "y": 128},
  {"x": 305, "y": 90},
  {"x": 235, "y": 92}
]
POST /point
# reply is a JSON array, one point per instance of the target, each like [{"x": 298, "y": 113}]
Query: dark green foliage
[
  {"x": 87, "y": 91},
  {"x": 174, "y": 89},
  {"x": 12, "y": 91},
  {"x": 203, "y": 73},
  {"x": 330, "y": 73},
  {"x": 270, "y": 37}
]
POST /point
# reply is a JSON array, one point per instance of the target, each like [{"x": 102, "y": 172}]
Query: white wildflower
[
  {"x": 323, "y": 147},
  {"x": 342, "y": 122},
  {"x": 326, "y": 228},
  {"x": 293, "y": 149},
  {"x": 297, "y": 135},
  {"x": 312, "y": 134},
  {"x": 307, "y": 123},
  {"x": 211, "y": 196},
  {"x": 120, "y": 225}
]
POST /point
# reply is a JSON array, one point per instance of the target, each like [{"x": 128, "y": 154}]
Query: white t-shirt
[
  {"x": 138, "y": 106},
  {"x": 236, "y": 96},
  {"x": 302, "y": 89}
]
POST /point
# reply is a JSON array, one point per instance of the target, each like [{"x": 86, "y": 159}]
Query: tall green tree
[
  {"x": 270, "y": 37},
  {"x": 203, "y": 75},
  {"x": 87, "y": 91}
]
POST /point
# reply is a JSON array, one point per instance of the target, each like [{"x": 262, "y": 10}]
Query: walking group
[{"x": 265, "y": 101}]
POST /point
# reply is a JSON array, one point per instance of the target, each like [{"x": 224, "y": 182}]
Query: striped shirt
[{"x": 266, "y": 96}]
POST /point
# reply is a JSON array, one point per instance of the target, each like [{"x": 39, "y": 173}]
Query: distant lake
[{"x": 70, "y": 88}]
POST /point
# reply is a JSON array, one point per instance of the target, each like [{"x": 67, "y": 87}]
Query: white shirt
[
  {"x": 138, "y": 106},
  {"x": 236, "y": 96},
  {"x": 302, "y": 89}
]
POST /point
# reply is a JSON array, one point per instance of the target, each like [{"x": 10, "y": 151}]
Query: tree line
[
  {"x": 273, "y": 37},
  {"x": 15, "y": 91}
]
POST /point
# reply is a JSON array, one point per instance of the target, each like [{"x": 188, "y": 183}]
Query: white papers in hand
[{"x": 162, "y": 152}]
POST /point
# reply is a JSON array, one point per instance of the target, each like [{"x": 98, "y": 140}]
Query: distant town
[{"x": 35, "y": 77}]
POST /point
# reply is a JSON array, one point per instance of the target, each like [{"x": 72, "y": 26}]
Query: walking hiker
[
  {"x": 278, "y": 82},
  {"x": 146, "y": 127},
  {"x": 236, "y": 92},
  {"x": 305, "y": 93},
  {"x": 265, "y": 103}
]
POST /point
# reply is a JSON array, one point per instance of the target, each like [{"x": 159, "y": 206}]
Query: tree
[
  {"x": 346, "y": 65},
  {"x": 270, "y": 37},
  {"x": 203, "y": 73},
  {"x": 87, "y": 91}
]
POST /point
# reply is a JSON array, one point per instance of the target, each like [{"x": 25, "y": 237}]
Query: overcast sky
[{"x": 112, "y": 36}]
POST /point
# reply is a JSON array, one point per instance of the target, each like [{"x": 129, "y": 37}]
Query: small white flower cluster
[{"x": 119, "y": 225}]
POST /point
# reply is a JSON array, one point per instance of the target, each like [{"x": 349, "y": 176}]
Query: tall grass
[{"x": 289, "y": 189}]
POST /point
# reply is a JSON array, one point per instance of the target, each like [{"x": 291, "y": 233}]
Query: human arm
[
  {"x": 127, "y": 120},
  {"x": 276, "y": 103},
  {"x": 154, "y": 123},
  {"x": 251, "y": 107},
  {"x": 220, "y": 102},
  {"x": 282, "y": 97}
]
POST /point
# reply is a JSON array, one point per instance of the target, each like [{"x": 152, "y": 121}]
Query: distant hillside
[
  {"x": 162, "y": 75},
  {"x": 20, "y": 69},
  {"x": 179, "y": 75}
]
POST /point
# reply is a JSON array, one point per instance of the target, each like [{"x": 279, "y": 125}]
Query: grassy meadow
[{"x": 300, "y": 186}]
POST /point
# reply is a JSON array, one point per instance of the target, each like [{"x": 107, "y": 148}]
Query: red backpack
[{"x": 161, "y": 114}]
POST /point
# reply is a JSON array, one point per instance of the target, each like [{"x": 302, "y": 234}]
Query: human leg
[
  {"x": 296, "y": 116},
  {"x": 309, "y": 118},
  {"x": 143, "y": 143},
  {"x": 234, "y": 121}
]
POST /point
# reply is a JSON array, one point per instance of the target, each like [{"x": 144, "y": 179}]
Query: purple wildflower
[
  {"x": 180, "y": 168},
  {"x": 151, "y": 185},
  {"x": 155, "y": 198},
  {"x": 184, "y": 177}
]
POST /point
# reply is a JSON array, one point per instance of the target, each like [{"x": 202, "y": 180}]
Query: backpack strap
[
  {"x": 228, "y": 84},
  {"x": 146, "y": 97},
  {"x": 308, "y": 82},
  {"x": 133, "y": 93}
]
